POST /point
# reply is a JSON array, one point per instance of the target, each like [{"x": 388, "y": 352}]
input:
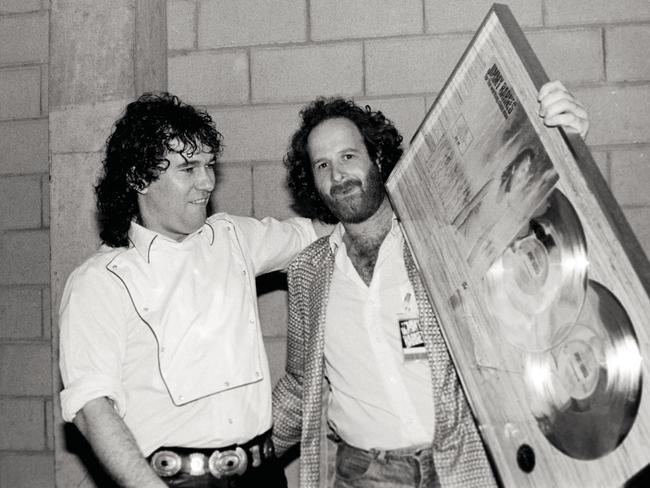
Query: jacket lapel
[{"x": 314, "y": 440}]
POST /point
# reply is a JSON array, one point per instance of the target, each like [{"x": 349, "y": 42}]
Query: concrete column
[{"x": 102, "y": 56}]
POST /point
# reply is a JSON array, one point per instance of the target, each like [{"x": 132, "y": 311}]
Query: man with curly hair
[
  {"x": 398, "y": 420},
  {"x": 162, "y": 355}
]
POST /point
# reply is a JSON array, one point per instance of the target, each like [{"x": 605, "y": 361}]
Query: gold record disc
[
  {"x": 536, "y": 288},
  {"x": 585, "y": 391}
]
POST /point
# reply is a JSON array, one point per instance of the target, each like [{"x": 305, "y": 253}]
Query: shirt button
[
  {"x": 226, "y": 383},
  {"x": 181, "y": 398},
  {"x": 244, "y": 272},
  {"x": 162, "y": 349},
  {"x": 251, "y": 321},
  {"x": 230, "y": 421}
]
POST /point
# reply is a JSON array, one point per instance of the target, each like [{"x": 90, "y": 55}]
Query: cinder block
[
  {"x": 47, "y": 315},
  {"x": 24, "y": 257},
  {"x": 181, "y": 25},
  {"x": 22, "y": 424},
  {"x": 83, "y": 128},
  {"x": 626, "y": 60},
  {"x": 631, "y": 176},
  {"x": 617, "y": 114},
  {"x": 561, "y": 12},
  {"x": 73, "y": 233},
  {"x": 26, "y": 369},
  {"x": 20, "y": 92},
  {"x": 345, "y": 19},
  {"x": 639, "y": 219},
  {"x": 19, "y": 6},
  {"x": 419, "y": 65},
  {"x": 16, "y": 157},
  {"x": 569, "y": 55},
  {"x": 45, "y": 90},
  {"x": 234, "y": 191},
  {"x": 303, "y": 73},
  {"x": 20, "y": 202},
  {"x": 45, "y": 199},
  {"x": 49, "y": 425},
  {"x": 272, "y": 303},
  {"x": 24, "y": 38},
  {"x": 271, "y": 193},
  {"x": 602, "y": 161},
  {"x": 406, "y": 114},
  {"x": 258, "y": 133},
  {"x": 91, "y": 52},
  {"x": 227, "y": 23},
  {"x": 210, "y": 78},
  {"x": 276, "y": 350},
  {"x": 466, "y": 15},
  {"x": 20, "y": 313},
  {"x": 27, "y": 470}
]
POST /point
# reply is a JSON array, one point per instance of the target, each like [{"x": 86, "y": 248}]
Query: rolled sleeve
[
  {"x": 92, "y": 340},
  {"x": 87, "y": 388}
]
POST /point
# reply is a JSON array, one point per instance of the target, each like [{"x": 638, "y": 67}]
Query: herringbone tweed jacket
[{"x": 300, "y": 397}]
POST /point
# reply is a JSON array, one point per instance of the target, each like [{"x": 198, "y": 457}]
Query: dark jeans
[{"x": 270, "y": 473}]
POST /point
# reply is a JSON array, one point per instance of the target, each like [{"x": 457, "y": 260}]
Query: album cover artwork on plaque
[{"x": 541, "y": 287}]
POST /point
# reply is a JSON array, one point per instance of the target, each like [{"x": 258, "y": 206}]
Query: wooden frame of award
[{"x": 541, "y": 288}]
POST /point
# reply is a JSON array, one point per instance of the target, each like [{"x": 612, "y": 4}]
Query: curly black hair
[
  {"x": 381, "y": 138},
  {"x": 136, "y": 155}
]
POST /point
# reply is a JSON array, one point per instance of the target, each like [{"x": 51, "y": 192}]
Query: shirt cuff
[{"x": 90, "y": 387}]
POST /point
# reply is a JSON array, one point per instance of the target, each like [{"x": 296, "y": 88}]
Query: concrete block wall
[
  {"x": 26, "y": 445},
  {"x": 254, "y": 64}
]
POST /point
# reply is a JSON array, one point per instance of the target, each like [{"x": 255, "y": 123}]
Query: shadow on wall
[
  {"x": 270, "y": 282},
  {"x": 76, "y": 444}
]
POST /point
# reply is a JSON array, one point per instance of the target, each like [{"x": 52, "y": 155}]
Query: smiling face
[
  {"x": 175, "y": 204},
  {"x": 346, "y": 178}
]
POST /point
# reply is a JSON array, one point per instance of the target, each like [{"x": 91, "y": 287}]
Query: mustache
[{"x": 344, "y": 187}]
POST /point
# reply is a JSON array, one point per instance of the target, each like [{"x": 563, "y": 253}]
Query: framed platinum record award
[{"x": 541, "y": 288}]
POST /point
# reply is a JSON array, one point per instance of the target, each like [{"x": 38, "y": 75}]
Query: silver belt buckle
[
  {"x": 166, "y": 463},
  {"x": 228, "y": 463},
  {"x": 196, "y": 464}
]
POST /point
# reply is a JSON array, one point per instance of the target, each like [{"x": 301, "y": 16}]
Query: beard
[{"x": 360, "y": 205}]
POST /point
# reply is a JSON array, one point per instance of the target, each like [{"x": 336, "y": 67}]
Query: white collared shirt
[
  {"x": 170, "y": 331},
  {"x": 378, "y": 399}
]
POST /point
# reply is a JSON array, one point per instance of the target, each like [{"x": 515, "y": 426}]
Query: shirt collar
[
  {"x": 336, "y": 237},
  {"x": 143, "y": 239}
]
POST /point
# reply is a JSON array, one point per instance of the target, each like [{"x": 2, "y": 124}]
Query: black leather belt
[{"x": 224, "y": 461}]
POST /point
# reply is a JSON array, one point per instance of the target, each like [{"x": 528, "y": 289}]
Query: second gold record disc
[{"x": 585, "y": 391}]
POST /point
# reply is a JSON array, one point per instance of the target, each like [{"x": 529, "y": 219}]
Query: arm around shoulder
[{"x": 321, "y": 228}]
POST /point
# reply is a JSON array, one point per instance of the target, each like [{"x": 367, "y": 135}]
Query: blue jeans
[{"x": 399, "y": 468}]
